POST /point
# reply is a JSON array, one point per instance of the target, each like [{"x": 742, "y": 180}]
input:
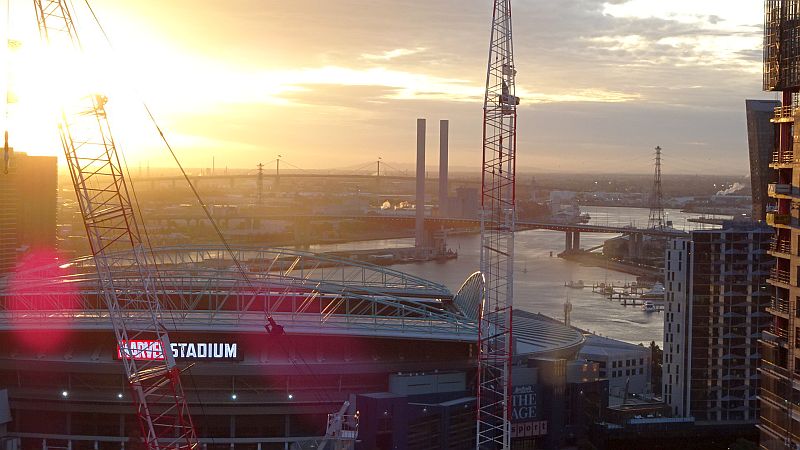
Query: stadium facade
[{"x": 399, "y": 348}]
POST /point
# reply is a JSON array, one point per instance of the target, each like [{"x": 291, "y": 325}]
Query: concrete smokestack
[
  {"x": 444, "y": 130},
  {"x": 420, "y": 206}
]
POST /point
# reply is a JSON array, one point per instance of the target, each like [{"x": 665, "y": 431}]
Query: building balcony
[
  {"x": 779, "y": 276},
  {"x": 784, "y": 114},
  {"x": 772, "y": 349},
  {"x": 775, "y": 189},
  {"x": 779, "y": 306},
  {"x": 773, "y": 370},
  {"x": 770, "y": 337},
  {"x": 781, "y": 247},
  {"x": 774, "y": 219},
  {"x": 782, "y": 158}
]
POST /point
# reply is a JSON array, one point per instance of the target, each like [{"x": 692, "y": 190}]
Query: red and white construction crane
[
  {"x": 119, "y": 247},
  {"x": 495, "y": 341}
]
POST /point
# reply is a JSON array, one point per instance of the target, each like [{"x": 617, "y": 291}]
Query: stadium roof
[{"x": 202, "y": 290}]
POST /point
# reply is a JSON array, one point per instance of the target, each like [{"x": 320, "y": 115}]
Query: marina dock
[{"x": 628, "y": 294}]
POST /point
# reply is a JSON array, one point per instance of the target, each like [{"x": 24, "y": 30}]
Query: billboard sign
[
  {"x": 529, "y": 429},
  {"x": 523, "y": 403},
  {"x": 151, "y": 350}
]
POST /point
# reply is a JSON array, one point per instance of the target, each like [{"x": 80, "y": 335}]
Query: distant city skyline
[{"x": 332, "y": 84}]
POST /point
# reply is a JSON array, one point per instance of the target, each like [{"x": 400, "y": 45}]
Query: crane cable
[{"x": 208, "y": 215}]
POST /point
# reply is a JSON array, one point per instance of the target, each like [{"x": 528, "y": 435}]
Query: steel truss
[
  {"x": 111, "y": 226},
  {"x": 201, "y": 290},
  {"x": 656, "y": 219},
  {"x": 497, "y": 235}
]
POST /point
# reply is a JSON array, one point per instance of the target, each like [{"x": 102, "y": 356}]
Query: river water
[{"x": 539, "y": 278}]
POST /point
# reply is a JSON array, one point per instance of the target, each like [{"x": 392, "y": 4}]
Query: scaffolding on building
[{"x": 781, "y": 44}]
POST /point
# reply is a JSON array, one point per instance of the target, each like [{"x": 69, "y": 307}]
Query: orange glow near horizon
[{"x": 329, "y": 87}]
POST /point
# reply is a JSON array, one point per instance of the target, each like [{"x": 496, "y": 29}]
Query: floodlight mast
[
  {"x": 118, "y": 247},
  {"x": 495, "y": 340}
]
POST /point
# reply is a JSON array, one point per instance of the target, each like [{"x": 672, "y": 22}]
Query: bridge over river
[{"x": 572, "y": 232}]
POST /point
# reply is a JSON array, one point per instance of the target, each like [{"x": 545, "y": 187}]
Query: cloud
[
  {"x": 596, "y": 77},
  {"x": 307, "y": 86},
  {"x": 392, "y": 54}
]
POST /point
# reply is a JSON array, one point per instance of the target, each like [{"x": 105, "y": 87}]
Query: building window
[
  {"x": 641, "y": 370},
  {"x": 641, "y": 361}
]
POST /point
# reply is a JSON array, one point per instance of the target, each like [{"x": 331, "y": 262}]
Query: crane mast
[
  {"x": 118, "y": 248},
  {"x": 495, "y": 342}
]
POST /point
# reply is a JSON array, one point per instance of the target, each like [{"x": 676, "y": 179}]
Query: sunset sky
[{"x": 331, "y": 84}]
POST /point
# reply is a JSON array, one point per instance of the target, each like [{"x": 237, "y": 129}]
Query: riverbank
[{"x": 642, "y": 271}]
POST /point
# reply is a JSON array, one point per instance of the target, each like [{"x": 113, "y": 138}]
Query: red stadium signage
[
  {"x": 141, "y": 350},
  {"x": 151, "y": 350}
]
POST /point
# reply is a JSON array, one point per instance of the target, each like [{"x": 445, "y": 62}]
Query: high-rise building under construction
[{"x": 779, "y": 396}]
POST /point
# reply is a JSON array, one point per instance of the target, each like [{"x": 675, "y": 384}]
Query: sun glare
[{"x": 39, "y": 82}]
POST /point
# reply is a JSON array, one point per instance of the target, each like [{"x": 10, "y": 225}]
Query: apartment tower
[
  {"x": 28, "y": 201},
  {"x": 715, "y": 311},
  {"x": 760, "y": 140},
  {"x": 779, "y": 396}
]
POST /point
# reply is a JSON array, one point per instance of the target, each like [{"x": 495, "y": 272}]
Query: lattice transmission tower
[
  {"x": 656, "y": 219},
  {"x": 495, "y": 340}
]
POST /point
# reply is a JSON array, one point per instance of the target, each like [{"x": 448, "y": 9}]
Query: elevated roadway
[{"x": 446, "y": 221}]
